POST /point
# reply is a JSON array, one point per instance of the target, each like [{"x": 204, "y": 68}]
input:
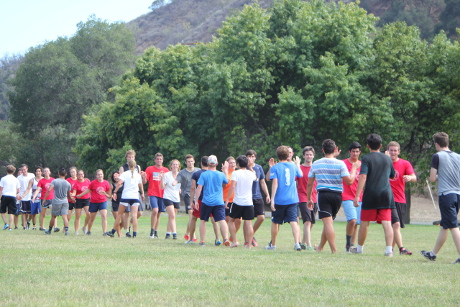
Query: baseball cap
[{"x": 212, "y": 159}]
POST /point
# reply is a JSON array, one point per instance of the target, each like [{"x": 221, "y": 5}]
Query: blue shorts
[
  {"x": 448, "y": 205},
  {"x": 157, "y": 202},
  {"x": 35, "y": 208},
  {"x": 352, "y": 212},
  {"x": 218, "y": 212},
  {"x": 95, "y": 207},
  {"x": 285, "y": 213}
]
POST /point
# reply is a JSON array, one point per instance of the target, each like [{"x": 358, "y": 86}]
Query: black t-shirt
[{"x": 196, "y": 176}]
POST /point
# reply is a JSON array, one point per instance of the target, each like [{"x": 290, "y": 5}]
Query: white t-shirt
[
  {"x": 243, "y": 189},
  {"x": 130, "y": 185},
  {"x": 171, "y": 192},
  {"x": 24, "y": 182},
  {"x": 10, "y": 184}
]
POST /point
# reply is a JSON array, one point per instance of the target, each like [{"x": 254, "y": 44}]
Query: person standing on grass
[
  {"x": 132, "y": 185},
  {"x": 9, "y": 191},
  {"x": 242, "y": 206},
  {"x": 257, "y": 199},
  {"x": 42, "y": 187},
  {"x": 100, "y": 189},
  {"x": 378, "y": 199},
  {"x": 171, "y": 196},
  {"x": 228, "y": 198},
  {"x": 61, "y": 189},
  {"x": 155, "y": 192},
  {"x": 308, "y": 216},
  {"x": 81, "y": 202},
  {"x": 116, "y": 196},
  {"x": 284, "y": 199},
  {"x": 352, "y": 213},
  {"x": 72, "y": 180},
  {"x": 330, "y": 173},
  {"x": 211, "y": 183},
  {"x": 445, "y": 168},
  {"x": 35, "y": 207},
  {"x": 25, "y": 179},
  {"x": 404, "y": 173}
]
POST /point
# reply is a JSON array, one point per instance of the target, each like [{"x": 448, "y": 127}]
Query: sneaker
[
  {"x": 76, "y": 233},
  {"x": 42, "y": 229},
  {"x": 405, "y": 252},
  {"x": 24, "y": 228},
  {"x": 5, "y": 227},
  {"x": 217, "y": 242},
  {"x": 456, "y": 261},
  {"x": 309, "y": 248},
  {"x": 227, "y": 242},
  {"x": 34, "y": 228},
  {"x": 16, "y": 227},
  {"x": 128, "y": 235},
  {"x": 254, "y": 242},
  {"x": 56, "y": 229},
  {"x": 47, "y": 232},
  {"x": 88, "y": 233},
  {"x": 428, "y": 255},
  {"x": 9, "y": 229},
  {"x": 202, "y": 244},
  {"x": 84, "y": 230},
  {"x": 347, "y": 248},
  {"x": 66, "y": 233},
  {"x": 303, "y": 246},
  {"x": 151, "y": 234},
  {"x": 354, "y": 250},
  {"x": 174, "y": 236},
  {"x": 388, "y": 254},
  {"x": 189, "y": 242},
  {"x": 109, "y": 234},
  {"x": 297, "y": 247},
  {"x": 156, "y": 234},
  {"x": 168, "y": 236},
  {"x": 194, "y": 240},
  {"x": 28, "y": 225},
  {"x": 234, "y": 244},
  {"x": 186, "y": 237},
  {"x": 270, "y": 247}
]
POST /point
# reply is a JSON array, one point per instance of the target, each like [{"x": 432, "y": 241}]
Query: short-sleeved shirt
[
  {"x": 185, "y": 179},
  {"x": 349, "y": 191},
  {"x": 302, "y": 185},
  {"x": 447, "y": 163},
  {"x": 256, "y": 194},
  {"x": 243, "y": 189},
  {"x": 10, "y": 185},
  {"x": 212, "y": 187},
  {"x": 377, "y": 192},
  {"x": 44, "y": 184},
  {"x": 61, "y": 187},
  {"x": 328, "y": 173},
  {"x": 95, "y": 186},
  {"x": 152, "y": 174},
  {"x": 196, "y": 176},
  {"x": 171, "y": 192},
  {"x": 285, "y": 173},
  {"x": 24, "y": 182},
  {"x": 398, "y": 185},
  {"x": 80, "y": 187},
  {"x": 131, "y": 183}
]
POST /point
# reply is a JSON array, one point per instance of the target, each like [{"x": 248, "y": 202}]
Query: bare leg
[
  {"x": 171, "y": 218},
  {"x": 306, "y": 239},
  {"x": 134, "y": 210},
  {"x": 86, "y": 208},
  {"x": 215, "y": 227},
  {"x": 42, "y": 218},
  {"x": 231, "y": 226},
  {"x": 388, "y": 230},
  {"x": 397, "y": 238},
  {"x": 103, "y": 214},
  {"x": 328, "y": 234},
  {"x": 192, "y": 225},
  {"x": 295, "y": 231},
  {"x": 274, "y": 232},
  {"x": 77, "y": 219},
  {"x": 91, "y": 220},
  {"x": 202, "y": 230},
  {"x": 224, "y": 229},
  {"x": 248, "y": 232},
  {"x": 442, "y": 237},
  {"x": 260, "y": 219}
]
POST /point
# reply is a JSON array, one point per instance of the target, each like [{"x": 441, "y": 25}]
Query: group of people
[{"x": 370, "y": 189}]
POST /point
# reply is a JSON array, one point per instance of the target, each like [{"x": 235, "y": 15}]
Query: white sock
[
  {"x": 389, "y": 249},
  {"x": 360, "y": 248}
]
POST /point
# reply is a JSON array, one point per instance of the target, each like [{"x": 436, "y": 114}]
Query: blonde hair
[{"x": 170, "y": 164}]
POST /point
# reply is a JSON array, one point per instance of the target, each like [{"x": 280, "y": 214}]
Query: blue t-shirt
[
  {"x": 212, "y": 187},
  {"x": 286, "y": 173},
  {"x": 256, "y": 184},
  {"x": 328, "y": 173}
]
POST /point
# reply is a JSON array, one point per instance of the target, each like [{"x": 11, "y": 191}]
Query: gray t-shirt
[
  {"x": 448, "y": 165},
  {"x": 61, "y": 187},
  {"x": 185, "y": 179}
]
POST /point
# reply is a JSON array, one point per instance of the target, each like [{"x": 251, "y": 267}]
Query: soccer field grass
[{"x": 55, "y": 270}]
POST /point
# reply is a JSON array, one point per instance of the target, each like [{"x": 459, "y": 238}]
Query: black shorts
[
  {"x": 307, "y": 215},
  {"x": 115, "y": 205},
  {"x": 80, "y": 203},
  {"x": 71, "y": 206},
  {"x": 259, "y": 207},
  {"x": 25, "y": 206},
  {"x": 245, "y": 212},
  {"x": 9, "y": 205},
  {"x": 227, "y": 211},
  {"x": 329, "y": 203},
  {"x": 168, "y": 203},
  {"x": 398, "y": 214},
  {"x": 186, "y": 199},
  {"x": 46, "y": 203}
]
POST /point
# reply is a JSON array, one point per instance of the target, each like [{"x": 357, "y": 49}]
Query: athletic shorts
[
  {"x": 71, "y": 206},
  {"x": 245, "y": 212},
  {"x": 80, "y": 203},
  {"x": 227, "y": 211},
  {"x": 26, "y": 206},
  {"x": 157, "y": 202},
  {"x": 46, "y": 203},
  {"x": 95, "y": 207},
  {"x": 60, "y": 209},
  {"x": 186, "y": 200},
  {"x": 398, "y": 214},
  {"x": 196, "y": 213},
  {"x": 285, "y": 213},
  {"x": 9, "y": 205},
  {"x": 218, "y": 212},
  {"x": 35, "y": 208},
  {"x": 328, "y": 203},
  {"x": 168, "y": 203},
  {"x": 449, "y": 205},
  {"x": 259, "y": 207},
  {"x": 306, "y": 214},
  {"x": 115, "y": 205},
  {"x": 376, "y": 215},
  {"x": 128, "y": 202},
  {"x": 352, "y": 212}
]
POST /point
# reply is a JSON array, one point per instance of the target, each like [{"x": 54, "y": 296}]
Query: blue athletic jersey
[
  {"x": 286, "y": 173},
  {"x": 212, "y": 187}
]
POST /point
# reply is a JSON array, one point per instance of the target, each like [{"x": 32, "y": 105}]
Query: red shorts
[
  {"x": 196, "y": 213},
  {"x": 378, "y": 215}
]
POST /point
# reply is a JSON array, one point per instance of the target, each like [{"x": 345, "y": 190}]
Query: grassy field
[{"x": 41, "y": 270}]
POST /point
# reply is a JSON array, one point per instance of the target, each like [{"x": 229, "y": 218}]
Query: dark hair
[
  {"x": 354, "y": 145},
  {"x": 308, "y": 148},
  {"x": 189, "y": 157},
  {"x": 62, "y": 171},
  {"x": 242, "y": 161},
  {"x": 251, "y": 152},
  {"x": 328, "y": 146},
  {"x": 40, "y": 168},
  {"x": 374, "y": 141},
  {"x": 24, "y": 165},
  {"x": 204, "y": 160},
  {"x": 441, "y": 138},
  {"x": 115, "y": 172},
  {"x": 282, "y": 152}
]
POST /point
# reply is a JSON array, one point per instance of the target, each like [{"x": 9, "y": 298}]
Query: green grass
[{"x": 40, "y": 270}]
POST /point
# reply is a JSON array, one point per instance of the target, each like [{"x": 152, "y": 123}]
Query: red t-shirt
[
  {"x": 402, "y": 167},
  {"x": 44, "y": 184},
  {"x": 152, "y": 174},
  {"x": 81, "y": 187},
  {"x": 72, "y": 183},
  {"x": 227, "y": 186},
  {"x": 349, "y": 191},
  {"x": 95, "y": 186},
  {"x": 302, "y": 185}
]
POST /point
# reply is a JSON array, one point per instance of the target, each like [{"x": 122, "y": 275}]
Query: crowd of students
[{"x": 371, "y": 189}]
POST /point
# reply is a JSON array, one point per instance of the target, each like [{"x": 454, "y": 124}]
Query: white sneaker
[
  {"x": 297, "y": 247},
  {"x": 84, "y": 230}
]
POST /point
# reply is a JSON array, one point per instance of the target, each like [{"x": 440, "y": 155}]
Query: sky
[{"x": 28, "y": 23}]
